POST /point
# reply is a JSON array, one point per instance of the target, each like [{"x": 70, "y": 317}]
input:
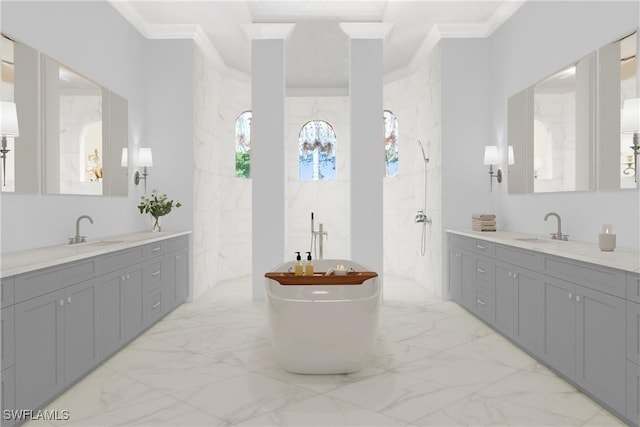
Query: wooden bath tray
[{"x": 352, "y": 278}]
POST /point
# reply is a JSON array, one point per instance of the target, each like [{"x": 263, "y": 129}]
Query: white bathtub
[{"x": 323, "y": 329}]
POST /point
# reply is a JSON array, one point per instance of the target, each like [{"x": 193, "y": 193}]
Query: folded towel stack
[{"x": 483, "y": 222}]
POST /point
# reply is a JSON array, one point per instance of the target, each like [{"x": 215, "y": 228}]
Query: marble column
[
  {"x": 267, "y": 151},
  {"x": 367, "y": 141}
]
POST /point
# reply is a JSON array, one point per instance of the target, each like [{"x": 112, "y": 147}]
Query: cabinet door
[
  {"x": 181, "y": 277},
  {"x": 39, "y": 347},
  {"x": 559, "y": 325},
  {"x": 132, "y": 303},
  {"x": 505, "y": 302},
  {"x": 109, "y": 313},
  {"x": 468, "y": 280},
  {"x": 455, "y": 274},
  {"x": 633, "y": 332},
  {"x": 529, "y": 303},
  {"x": 600, "y": 346},
  {"x": 7, "y": 394},
  {"x": 80, "y": 353},
  {"x": 7, "y": 330}
]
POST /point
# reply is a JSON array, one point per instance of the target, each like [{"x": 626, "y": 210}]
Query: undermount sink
[
  {"x": 105, "y": 242},
  {"x": 532, "y": 240}
]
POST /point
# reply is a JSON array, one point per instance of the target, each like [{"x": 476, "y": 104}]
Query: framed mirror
[
  {"x": 85, "y": 129},
  {"x": 618, "y": 81},
  {"x": 551, "y": 127},
  {"x": 19, "y": 85}
]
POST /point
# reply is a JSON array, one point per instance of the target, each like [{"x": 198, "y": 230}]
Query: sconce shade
[
  {"x": 511, "y": 157},
  {"x": 124, "y": 161},
  {"x": 9, "y": 120},
  {"x": 630, "y": 120},
  {"x": 491, "y": 155},
  {"x": 144, "y": 157}
]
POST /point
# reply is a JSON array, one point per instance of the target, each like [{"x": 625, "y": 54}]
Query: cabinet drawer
[
  {"x": 174, "y": 244},
  {"x": 519, "y": 257},
  {"x": 152, "y": 309},
  {"x": 152, "y": 275},
  {"x": 477, "y": 246},
  {"x": 7, "y": 331},
  {"x": 153, "y": 249},
  {"x": 633, "y": 332},
  {"x": 120, "y": 259},
  {"x": 484, "y": 273},
  {"x": 633, "y": 287},
  {"x": 7, "y": 291},
  {"x": 483, "y": 304},
  {"x": 601, "y": 279},
  {"x": 40, "y": 282}
]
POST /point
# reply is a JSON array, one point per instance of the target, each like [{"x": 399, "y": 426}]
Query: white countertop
[
  {"x": 18, "y": 262},
  {"x": 620, "y": 258}
]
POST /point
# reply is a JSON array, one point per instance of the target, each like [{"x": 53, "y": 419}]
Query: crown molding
[
  {"x": 268, "y": 31},
  {"x": 283, "y": 31}
]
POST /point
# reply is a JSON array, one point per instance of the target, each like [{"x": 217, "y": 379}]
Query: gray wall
[
  {"x": 539, "y": 39},
  {"x": 155, "y": 78}
]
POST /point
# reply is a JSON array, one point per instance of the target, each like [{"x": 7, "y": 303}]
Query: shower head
[{"x": 424, "y": 156}]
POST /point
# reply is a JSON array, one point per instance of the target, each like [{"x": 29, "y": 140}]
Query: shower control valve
[{"x": 422, "y": 217}]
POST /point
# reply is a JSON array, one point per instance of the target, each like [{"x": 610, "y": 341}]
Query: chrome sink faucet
[
  {"x": 558, "y": 235},
  {"x": 79, "y": 238}
]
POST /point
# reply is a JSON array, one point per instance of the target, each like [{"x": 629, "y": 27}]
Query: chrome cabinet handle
[
  {"x": 178, "y": 257},
  {"x": 481, "y": 247},
  {"x": 479, "y": 301},
  {"x": 155, "y": 273},
  {"x": 510, "y": 274},
  {"x": 578, "y": 298},
  {"x": 570, "y": 295},
  {"x": 68, "y": 300},
  {"x": 515, "y": 275},
  {"x": 61, "y": 302},
  {"x": 156, "y": 305},
  {"x": 479, "y": 270},
  {"x": 156, "y": 249}
]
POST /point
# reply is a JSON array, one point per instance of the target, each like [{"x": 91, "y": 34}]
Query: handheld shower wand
[{"x": 421, "y": 216}]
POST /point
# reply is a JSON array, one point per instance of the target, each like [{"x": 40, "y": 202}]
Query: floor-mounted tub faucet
[
  {"x": 79, "y": 238},
  {"x": 317, "y": 237},
  {"x": 558, "y": 235}
]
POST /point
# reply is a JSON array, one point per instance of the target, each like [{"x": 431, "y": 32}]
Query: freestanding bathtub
[{"x": 323, "y": 329}]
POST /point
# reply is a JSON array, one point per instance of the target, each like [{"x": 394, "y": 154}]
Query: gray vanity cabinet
[
  {"x": 7, "y": 376},
  {"x": 7, "y": 394},
  {"x": 175, "y": 287},
  {"x": 39, "y": 349},
  {"x": 519, "y": 305},
  {"x": 80, "y": 350},
  {"x": 55, "y": 342},
  {"x": 585, "y": 338},
  {"x": 133, "y": 302},
  {"x": 461, "y": 269},
  {"x": 119, "y": 309}
]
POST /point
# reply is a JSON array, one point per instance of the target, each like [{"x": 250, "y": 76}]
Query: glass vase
[{"x": 156, "y": 224}]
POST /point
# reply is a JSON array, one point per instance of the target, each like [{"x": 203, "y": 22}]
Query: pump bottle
[
  {"x": 297, "y": 267},
  {"x": 308, "y": 268}
]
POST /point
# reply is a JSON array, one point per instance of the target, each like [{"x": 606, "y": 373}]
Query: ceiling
[{"x": 317, "y": 52}]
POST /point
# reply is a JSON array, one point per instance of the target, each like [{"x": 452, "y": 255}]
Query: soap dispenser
[
  {"x": 297, "y": 267},
  {"x": 308, "y": 268}
]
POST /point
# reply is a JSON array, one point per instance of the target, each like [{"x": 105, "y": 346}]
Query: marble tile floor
[{"x": 210, "y": 363}]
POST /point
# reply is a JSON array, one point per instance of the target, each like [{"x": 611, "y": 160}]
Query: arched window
[
  {"x": 390, "y": 143},
  {"x": 243, "y": 145},
  {"x": 317, "y": 152}
]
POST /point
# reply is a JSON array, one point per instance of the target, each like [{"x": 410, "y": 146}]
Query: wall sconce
[
  {"x": 8, "y": 128},
  {"x": 145, "y": 159},
  {"x": 630, "y": 123},
  {"x": 491, "y": 158}
]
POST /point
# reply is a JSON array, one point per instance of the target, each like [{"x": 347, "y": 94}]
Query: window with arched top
[
  {"x": 243, "y": 145},
  {"x": 317, "y": 152},
  {"x": 391, "y": 141}
]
